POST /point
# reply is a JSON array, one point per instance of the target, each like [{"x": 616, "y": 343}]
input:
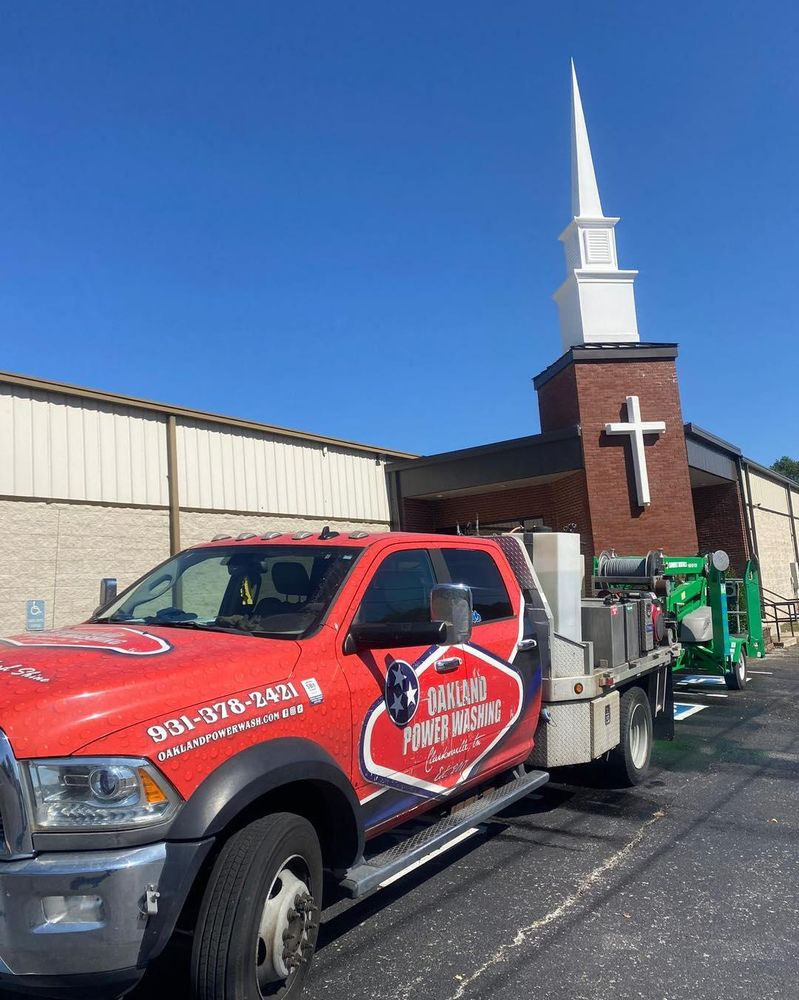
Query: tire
[
  {"x": 629, "y": 761},
  {"x": 259, "y": 917},
  {"x": 736, "y": 678}
]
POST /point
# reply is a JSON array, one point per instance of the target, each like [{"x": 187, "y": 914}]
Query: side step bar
[{"x": 422, "y": 845}]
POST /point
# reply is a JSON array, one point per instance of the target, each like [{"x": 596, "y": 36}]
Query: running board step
[{"x": 422, "y": 845}]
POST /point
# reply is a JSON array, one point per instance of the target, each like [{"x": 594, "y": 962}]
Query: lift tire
[
  {"x": 259, "y": 917},
  {"x": 736, "y": 678},
  {"x": 629, "y": 761}
]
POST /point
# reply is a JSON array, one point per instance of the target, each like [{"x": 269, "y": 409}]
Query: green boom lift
[{"x": 697, "y": 602}]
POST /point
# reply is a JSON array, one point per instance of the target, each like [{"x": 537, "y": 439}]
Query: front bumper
[{"x": 75, "y": 914}]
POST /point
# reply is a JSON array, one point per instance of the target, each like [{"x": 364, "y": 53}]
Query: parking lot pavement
[{"x": 685, "y": 887}]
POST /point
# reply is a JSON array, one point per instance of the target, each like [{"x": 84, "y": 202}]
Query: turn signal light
[
  {"x": 578, "y": 688},
  {"x": 152, "y": 793}
]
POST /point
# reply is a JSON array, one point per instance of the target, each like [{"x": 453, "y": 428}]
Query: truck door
[
  {"x": 404, "y": 742},
  {"x": 502, "y": 686}
]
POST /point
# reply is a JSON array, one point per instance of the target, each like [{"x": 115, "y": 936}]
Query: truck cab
[{"x": 255, "y": 712}]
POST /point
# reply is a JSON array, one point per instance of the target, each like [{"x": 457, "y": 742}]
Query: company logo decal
[
  {"x": 430, "y": 730},
  {"x": 402, "y": 692},
  {"x": 119, "y": 639}
]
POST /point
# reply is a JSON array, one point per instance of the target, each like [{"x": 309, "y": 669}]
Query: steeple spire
[
  {"x": 585, "y": 193},
  {"x": 596, "y": 301}
]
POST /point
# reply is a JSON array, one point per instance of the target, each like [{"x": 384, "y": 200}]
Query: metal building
[{"x": 94, "y": 484}]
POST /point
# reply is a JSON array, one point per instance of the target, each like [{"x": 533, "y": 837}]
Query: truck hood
[{"x": 63, "y": 689}]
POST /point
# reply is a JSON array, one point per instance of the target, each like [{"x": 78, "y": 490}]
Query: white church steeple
[{"x": 596, "y": 301}]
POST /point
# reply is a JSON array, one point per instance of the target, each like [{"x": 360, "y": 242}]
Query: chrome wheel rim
[
  {"x": 639, "y": 736},
  {"x": 285, "y": 932}
]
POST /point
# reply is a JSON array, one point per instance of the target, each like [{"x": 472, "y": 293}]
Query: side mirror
[
  {"x": 108, "y": 590},
  {"x": 451, "y": 603}
]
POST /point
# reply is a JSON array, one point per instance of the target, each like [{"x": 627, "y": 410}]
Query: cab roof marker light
[
  {"x": 270, "y": 535},
  {"x": 245, "y": 535},
  {"x": 359, "y": 534},
  {"x": 220, "y": 538},
  {"x": 300, "y": 535}
]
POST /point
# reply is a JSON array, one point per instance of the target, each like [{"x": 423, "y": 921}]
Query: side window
[
  {"x": 479, "y": 571},
  {"x": 399, "y": 591}
]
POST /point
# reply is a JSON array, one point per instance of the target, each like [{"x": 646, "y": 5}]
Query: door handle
[
  {"x": 448, "y": 664},
  {"x": 524, "y": 644}
]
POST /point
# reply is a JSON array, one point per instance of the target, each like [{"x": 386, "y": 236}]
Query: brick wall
[
  {"x": 558, "y": 401},
  {"x": 720, "y": 523},
  {"x": 599, "y": 388},
  {"x": 562, "y": 503}
]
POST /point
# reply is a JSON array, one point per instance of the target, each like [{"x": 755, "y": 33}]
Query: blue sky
[{"x": 343, "y": 217}]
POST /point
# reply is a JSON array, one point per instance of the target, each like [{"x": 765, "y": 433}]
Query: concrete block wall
[
  {"x": 776, "y": 550},
  {"x": 201, "y": 526},
  {"x": 58, "y": 552}
]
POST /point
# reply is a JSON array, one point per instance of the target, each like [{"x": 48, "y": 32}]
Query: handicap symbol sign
[{"x": 34, "y": 616}]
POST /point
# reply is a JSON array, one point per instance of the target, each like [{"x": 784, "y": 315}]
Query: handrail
[{"x": 790, "y": 617}]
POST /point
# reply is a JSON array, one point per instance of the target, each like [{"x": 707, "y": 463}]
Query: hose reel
[{"x": 629, "y": 568}]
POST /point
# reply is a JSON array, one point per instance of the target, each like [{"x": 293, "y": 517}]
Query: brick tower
[{"x": 622, "y": 393}]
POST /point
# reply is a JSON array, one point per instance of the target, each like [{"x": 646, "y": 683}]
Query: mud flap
[{"x": 662, "y": 683}]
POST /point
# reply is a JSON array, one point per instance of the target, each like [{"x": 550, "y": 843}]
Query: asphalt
[{"x": 684, "y": 888}]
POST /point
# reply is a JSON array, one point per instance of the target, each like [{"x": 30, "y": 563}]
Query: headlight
[{"x": 85, "y": 793}]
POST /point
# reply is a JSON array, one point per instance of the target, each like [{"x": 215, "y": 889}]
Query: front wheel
[
  {"x": 736, "y": 679},
  {"x": 259, "y": 918},
  {"x": 629, "y": 761}
]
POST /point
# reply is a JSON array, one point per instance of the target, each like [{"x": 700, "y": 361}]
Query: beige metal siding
[
  {"x": 59, "y": 447},
  {"x": 767, "y": 493},
  {"x": 249, "y": 471}
]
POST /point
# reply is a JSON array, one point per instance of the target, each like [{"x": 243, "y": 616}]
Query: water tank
[{"x": 559, "y": 567}]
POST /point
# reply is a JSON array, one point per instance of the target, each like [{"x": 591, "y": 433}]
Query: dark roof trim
[
  {"x": 694, "y": 431},
  {"x": 606, "y": 352},
  {"x": 490, "y": 466},
  {"x": 705, "y": 437},
  {"x": 486, "y": 450},
  {"x": 167, "y": 410}
]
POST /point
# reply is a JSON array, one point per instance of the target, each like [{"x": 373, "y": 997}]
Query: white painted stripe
[
  {"x": 765, "y": 673},
  {"x": 711, "y": 694},
  {"x": 692, "y": 710},
  {"x": 429, "y": 857}
]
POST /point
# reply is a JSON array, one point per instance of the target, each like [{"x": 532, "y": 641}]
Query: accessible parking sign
[{"x": 34, "y": 616}]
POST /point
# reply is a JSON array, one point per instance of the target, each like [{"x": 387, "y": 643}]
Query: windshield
[{"x": 281, "y": 591}]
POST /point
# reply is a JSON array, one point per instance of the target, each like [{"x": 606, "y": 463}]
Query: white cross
[{"x": 636, "y": 428}]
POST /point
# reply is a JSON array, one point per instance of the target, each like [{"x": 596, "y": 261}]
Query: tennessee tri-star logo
[{"x": 401, "y": 692}]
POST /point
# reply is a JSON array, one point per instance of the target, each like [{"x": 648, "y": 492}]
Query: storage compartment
[
  {"x": 578, "y": 732},
  {"x": 559, "y": 568},
  {"x": 632, "y": 629},
  {"x": 646, "y": 619},
  {"x": 604, "y": 626}
]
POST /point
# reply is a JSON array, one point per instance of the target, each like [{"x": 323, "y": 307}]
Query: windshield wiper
[{"x": 202, "y": 626}]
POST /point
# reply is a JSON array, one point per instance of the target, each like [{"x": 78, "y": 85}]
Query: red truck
[{"x": 255, "y": 718}]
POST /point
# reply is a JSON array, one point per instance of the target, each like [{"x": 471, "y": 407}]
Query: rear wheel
[
  {"x": 629, "y": 761},
  {"x": 736, "y": 678},
  {"x": 259, "y": 919}
]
